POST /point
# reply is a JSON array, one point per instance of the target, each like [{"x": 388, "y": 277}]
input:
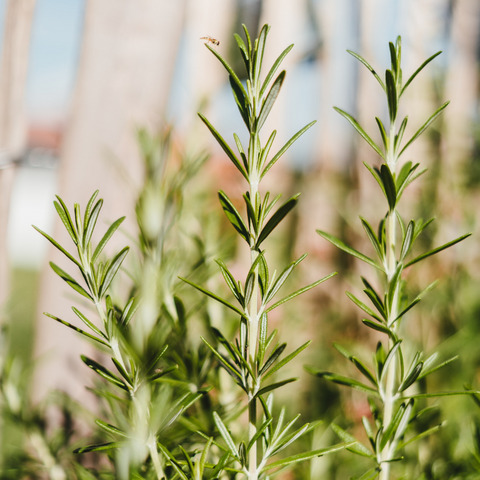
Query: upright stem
[
  {"x": 152, "y": 447},
  {"x": 389, "y": 396},
  {"x": 252, "y": 350}
]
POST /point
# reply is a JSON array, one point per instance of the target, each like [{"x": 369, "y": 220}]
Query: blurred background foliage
[{"x": 80, "y": 78}]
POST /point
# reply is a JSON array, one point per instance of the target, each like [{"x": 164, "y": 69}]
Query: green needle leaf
[
  {"x": 287, "y": 359},
  {"x": 437, "y": 250},
  {"x": 103, "y": 372},
  {"x": 229, "y": 70},
  {"x": 285, "y": 148},
  {"x": 301, "y": 457},
  {"x": 57, "y": 245},
  {"x": 99, "y": 447},
  {"x": 418, "y": 70},
  {"x": 276, "y": 218},
  {"x": 299, "y": 292},
  {"x": 112, "y": 229},
  {"x": 360, "y": 130},
  {"x": 362, "y": 60},
  {"x": 424, "y": 434},
  {"x": 357, "y": 447},
  {"x": 270, "y": 100},
  {"x": 274, "y": 68},
  {"x": 73, "y": 327},
  {"x": 224, "y": 146},
  {"x": 233, "y": 216},
  {"x": 342, "y": 246},
  {"x": 424, "y": 127},
  {"x": 274, "y": 386},
  {"x": 341, "y": 380},
  {"x": 226, "y": 435},
  {"x": 212, "y": 295},
  {"x": 70, "y": 281},
  {"x": 112, "y": 271}
]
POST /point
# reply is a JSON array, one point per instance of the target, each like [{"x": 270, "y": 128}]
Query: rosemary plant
[
  {"x": 393, "y": 380},
  {"x": 142, "y": 409},
  {"x": 250, "y": 359}
]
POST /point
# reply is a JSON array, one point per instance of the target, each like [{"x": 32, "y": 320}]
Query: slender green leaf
[
  {"x": 304, "y": 456},
  {"x": 87, "y": 322},
  {"x": 224, "y": 146},
  {"x": 362, "y": 60},
  {"x": 389, "y": 358},
  {"x": 90, "y": 224},
  {"x": 391, "y": 95},
  {"x": 299, "y": 292},
  {"x": 229, "y": 69},
  {"x": 233, "y": 216},
  {"x": 443, "y": 394},
  {"x": 364, "y": 307},
  {"x": 282, "y": 279},
  {"x": 424, "y": 126},
  {"x": 341, "y": 380},
  {"x": 437, "y": 250},
  {"x": 379, "y": 327},
  {"x": 370, "y": 474},
  {"x": 274, "y": 68},
  {"x": 407, "y": 241},
  {"x": 399, "y": 136},
  {"x": 226, "y": 435},
  {"x": 225, "y": 364},
  {"x": 274, "y": 386},
  {"x": 356, "y": 446},
  {"x": 111, "y": 428},
  {"x": 57, "y": 245},
  {"x": 411, "y": 377},
  {"x": 231, "y": 282},
  {"x": 277, "y": 351},
  {"x": 73, "y": 327},
  {"x": 112, "y": 271},
  {"x": 161, "y": 373},
  {"x": 212, "y": 295},
  {"x": 373, "y": 238},
  {"x": 392, "y": 426},
  {"x": 67, "y": 221},
  {"x": 437, "y": 367},
  {"x": 383, "y": 133},
  {"x": 376, "y": 176},
  {"x": 287, "y": 359},
  {"x": 258, "y": 55},
  {"x": 342, "y": 246},
  {"x": 262, "y": 342},
  {"x": 111, "y": 230},
  {"x": 424, "y": 434},
  {"x": 363, "y": 369},
  {"x": 418, "y": 70},
  {"x": 103, "y": 372},
  {"x": 389, "y": 184},
  {"x": 393, "y": 287},
  {"x": 285, "y": 148},
  {"x": 270, "y": 100},
  {"x": 276, "y": 218},
  {"x": 259, "y": 433},
  {"x": 99, "y": 447},
  {"x": 241, "y": 101},
  {"x": 360, "y": 130},
  {"x": 70, "y": 281}
]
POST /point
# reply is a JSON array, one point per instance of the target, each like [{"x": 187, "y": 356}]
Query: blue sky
[{"x": 55, "y": 48}]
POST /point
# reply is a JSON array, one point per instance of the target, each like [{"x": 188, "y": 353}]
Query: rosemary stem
[
  {"x": 252, "y": 347},
  {"x": 389, "y": 399}
]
